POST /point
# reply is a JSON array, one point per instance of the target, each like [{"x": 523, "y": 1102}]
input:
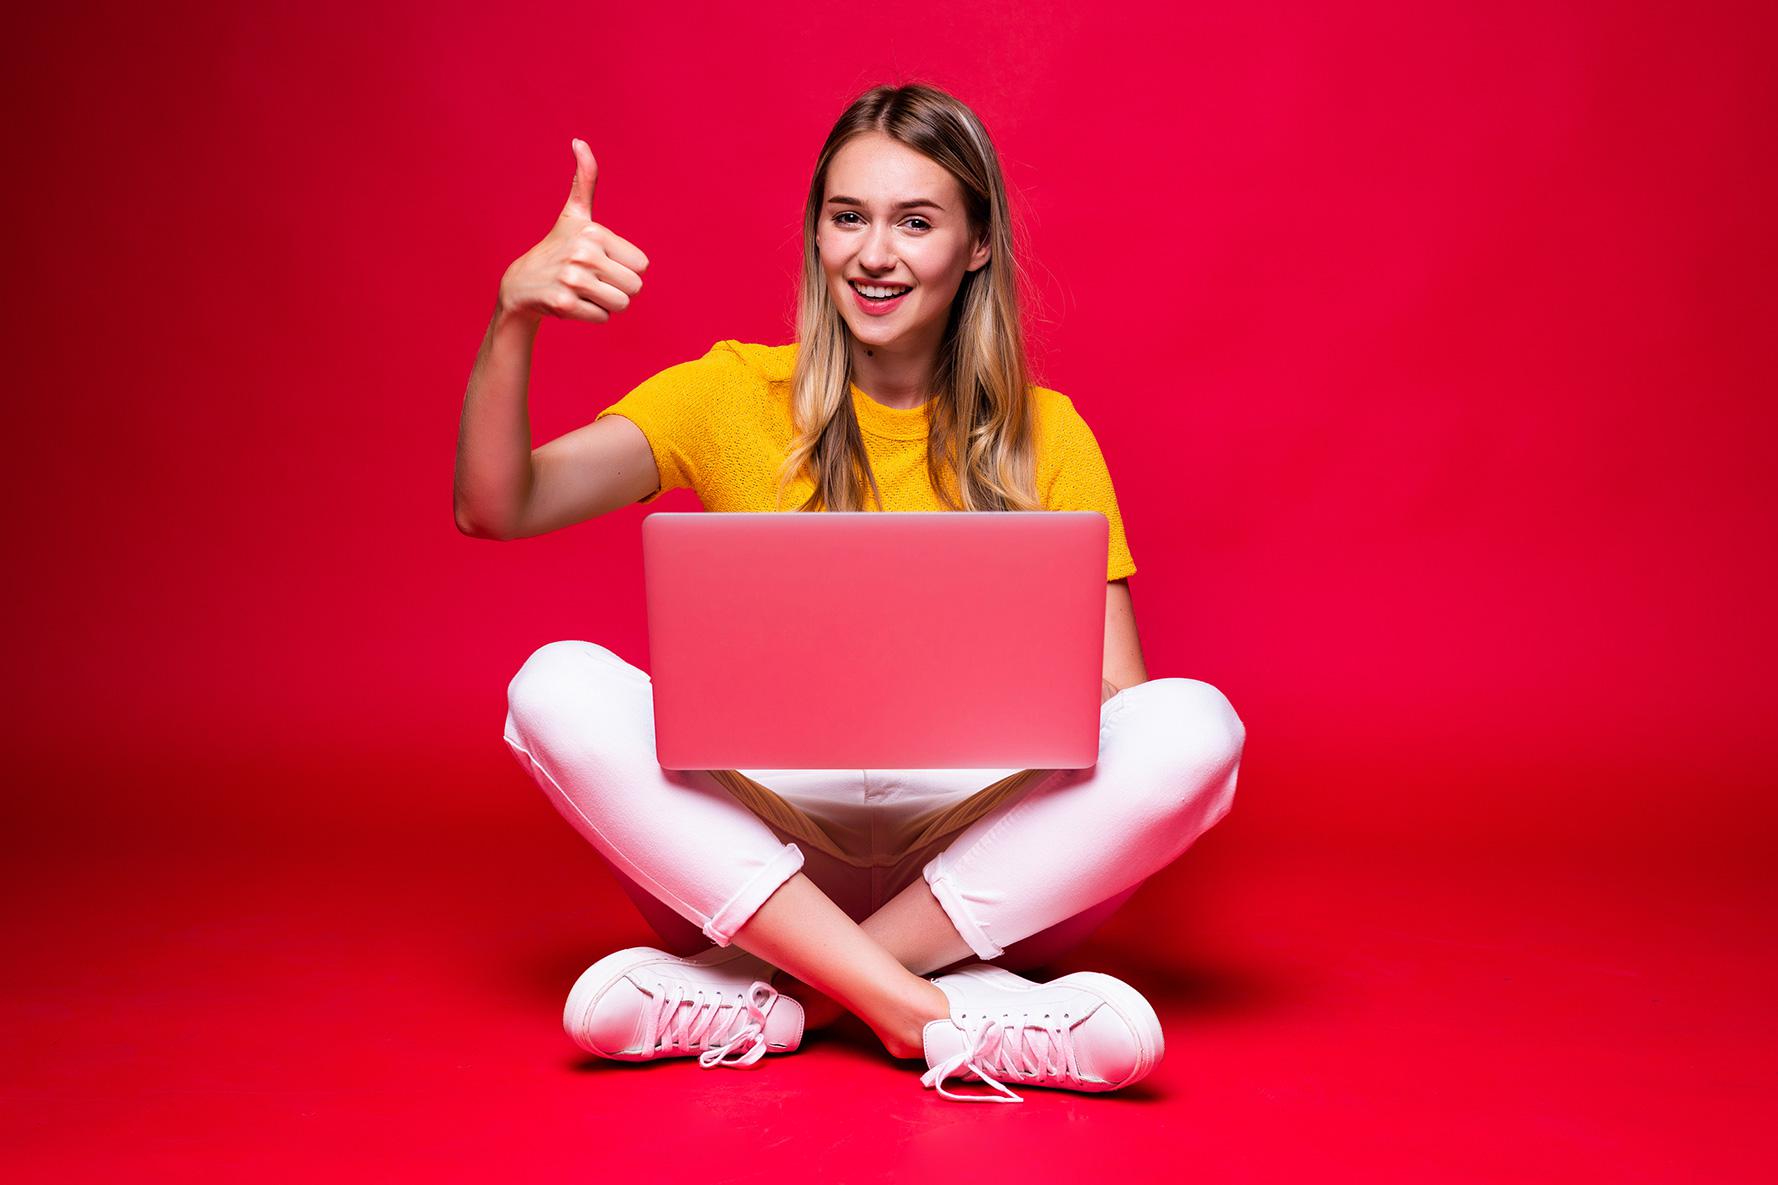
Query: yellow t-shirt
[{"x": 721, "y": 424}]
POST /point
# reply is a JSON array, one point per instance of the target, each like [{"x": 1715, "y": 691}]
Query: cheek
[
  {"x": 831, "y": 260},
  {"x": 938, "y": 265}
]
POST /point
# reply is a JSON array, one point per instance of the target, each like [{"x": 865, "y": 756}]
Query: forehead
[{"x": 878, "y": 168}]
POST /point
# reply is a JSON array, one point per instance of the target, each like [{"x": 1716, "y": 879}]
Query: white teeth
[{"x": 877, "y": 293}]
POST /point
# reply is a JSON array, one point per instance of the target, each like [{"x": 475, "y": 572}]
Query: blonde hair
[{"x": 980, "y": 449}]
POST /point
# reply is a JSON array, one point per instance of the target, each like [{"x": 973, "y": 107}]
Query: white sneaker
[
  {"x": 640, "y": 1004},
  {"x": 1083, "y": 1031}
]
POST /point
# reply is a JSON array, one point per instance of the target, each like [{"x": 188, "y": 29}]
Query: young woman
[{"x": 787, "y": 897}]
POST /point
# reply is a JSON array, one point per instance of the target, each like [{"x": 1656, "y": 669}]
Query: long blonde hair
[{"x": 980, "y": 449}]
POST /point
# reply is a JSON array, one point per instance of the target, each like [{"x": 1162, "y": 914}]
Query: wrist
[
  {"x": 508, "y": 318},
  {"x": 513, "y": 321}
]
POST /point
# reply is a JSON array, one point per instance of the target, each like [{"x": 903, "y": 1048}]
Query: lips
[
  {"x": 895, "y": 290},
  {"x": 872, "y": 306}
]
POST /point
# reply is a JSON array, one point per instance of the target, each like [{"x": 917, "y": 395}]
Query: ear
[{"x": 978, "y": 257}]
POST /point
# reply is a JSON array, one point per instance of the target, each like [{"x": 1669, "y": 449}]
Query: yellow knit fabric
[{"x": 721, "y": 424}]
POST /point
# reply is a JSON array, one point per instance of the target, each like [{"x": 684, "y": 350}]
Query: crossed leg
[{"x": 1169, "y": 751}]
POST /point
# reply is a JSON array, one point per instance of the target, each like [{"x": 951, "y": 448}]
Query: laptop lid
[{"x": 876, "y": 639}]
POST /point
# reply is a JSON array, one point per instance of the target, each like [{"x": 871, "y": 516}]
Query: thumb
[{"x": 586, "y": 172}]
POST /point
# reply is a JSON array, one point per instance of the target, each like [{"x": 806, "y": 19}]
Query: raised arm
[{"x": 503, "y": 488}]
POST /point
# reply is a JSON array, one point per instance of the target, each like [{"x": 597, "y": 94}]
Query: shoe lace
[
  {"x": 1025, "y": 1051},
  {"x": 712, "y": 1021}
]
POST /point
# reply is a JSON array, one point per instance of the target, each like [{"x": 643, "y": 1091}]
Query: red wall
[{"x": 1432, "y": 355}]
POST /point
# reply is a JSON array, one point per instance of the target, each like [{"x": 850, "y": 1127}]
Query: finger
[
  {"x": 586, "y": 174},
  {"x": 570, "y": 307},
  {"x": 602, "y": 267},
  {"x": 588, "y": 286},
  {"x": 624, "y": 251}
]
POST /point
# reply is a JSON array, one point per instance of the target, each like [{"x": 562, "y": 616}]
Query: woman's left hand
[{"x": 1106, "y": 690}]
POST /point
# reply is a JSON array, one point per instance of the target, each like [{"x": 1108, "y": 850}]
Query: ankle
[{"x": 902, "y": 1033}]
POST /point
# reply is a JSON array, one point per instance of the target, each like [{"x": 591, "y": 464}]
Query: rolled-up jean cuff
[
  {"x": 952, "y": 902},
  {"x": 721, "y": 928}
]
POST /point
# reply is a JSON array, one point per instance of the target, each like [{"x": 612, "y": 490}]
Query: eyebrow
[{"x": 907, "y": 205}]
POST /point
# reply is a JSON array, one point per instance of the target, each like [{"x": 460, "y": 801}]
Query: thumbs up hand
[{"x": 581, "y": 271}]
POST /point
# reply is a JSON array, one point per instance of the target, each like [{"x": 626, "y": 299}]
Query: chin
[{"x": 876, "y": 339}]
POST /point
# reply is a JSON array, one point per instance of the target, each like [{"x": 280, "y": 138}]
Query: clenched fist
[{"x": 581, "y": 271}]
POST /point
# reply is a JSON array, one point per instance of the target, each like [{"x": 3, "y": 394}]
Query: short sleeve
[
  {"x": 1083, "y": 482},
  {"x": 675, "y": 410}
]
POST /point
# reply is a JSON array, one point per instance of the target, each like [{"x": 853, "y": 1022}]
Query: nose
[{"x": 878, "y": 254}]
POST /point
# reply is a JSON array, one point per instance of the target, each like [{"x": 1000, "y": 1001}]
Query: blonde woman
[{"x": 785, "y": 898}]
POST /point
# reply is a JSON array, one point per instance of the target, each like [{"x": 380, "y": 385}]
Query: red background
[{"x": 1432, "y": 354}]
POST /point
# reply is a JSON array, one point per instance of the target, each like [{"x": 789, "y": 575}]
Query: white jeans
[{"x": 1022, "y": 882}]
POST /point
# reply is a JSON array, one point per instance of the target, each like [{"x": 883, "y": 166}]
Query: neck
[{"x": 896, "y": 375}]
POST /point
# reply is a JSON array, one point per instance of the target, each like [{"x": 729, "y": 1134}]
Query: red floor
[{"x": 287, "y": 969}]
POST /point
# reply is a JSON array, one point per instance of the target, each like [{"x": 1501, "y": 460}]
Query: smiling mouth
[{"x": 880, "y": 291}]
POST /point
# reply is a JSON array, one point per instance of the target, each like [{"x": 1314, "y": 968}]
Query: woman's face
[{"x": 892, "y": 218}]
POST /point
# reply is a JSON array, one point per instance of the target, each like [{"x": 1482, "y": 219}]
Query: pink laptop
[{"x": 876, "y": 640}]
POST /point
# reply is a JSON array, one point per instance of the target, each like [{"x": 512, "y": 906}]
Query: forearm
[{"x": 494, "y": 475}]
